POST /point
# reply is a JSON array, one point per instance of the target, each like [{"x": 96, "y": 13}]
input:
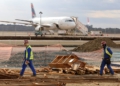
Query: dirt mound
[{"x": 95, "y": 45}]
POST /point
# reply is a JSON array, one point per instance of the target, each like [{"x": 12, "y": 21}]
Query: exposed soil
[
  {"x": 95, "y": 45},
  {"x": 61, "y": 80}
]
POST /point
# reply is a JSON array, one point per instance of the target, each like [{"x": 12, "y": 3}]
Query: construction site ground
[
  {"x": 57, "y": 79},
  {"x": 11, "y": 59}
]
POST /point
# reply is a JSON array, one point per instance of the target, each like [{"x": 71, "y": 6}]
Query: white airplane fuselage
[{"x": 52, "y": 23}]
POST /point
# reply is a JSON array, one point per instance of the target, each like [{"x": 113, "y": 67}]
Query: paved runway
[
  {"x": 31, "y": 33},
  {"x": 45, "y": 42}
]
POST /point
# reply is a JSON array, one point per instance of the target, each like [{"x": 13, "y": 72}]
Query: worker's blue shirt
[
  {"x": 28, "y": 50},
  {"x": 109, "y": 50}
]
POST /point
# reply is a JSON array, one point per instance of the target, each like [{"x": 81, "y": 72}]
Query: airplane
[{"x": 48, "y": 23}]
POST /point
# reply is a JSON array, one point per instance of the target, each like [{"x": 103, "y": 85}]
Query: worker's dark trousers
[
  {"x": 31, "y": 67},
  {"x": 108, "y": 66}
]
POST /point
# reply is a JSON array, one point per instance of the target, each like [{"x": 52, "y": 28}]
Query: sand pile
[{"x": 95, "y": 45}]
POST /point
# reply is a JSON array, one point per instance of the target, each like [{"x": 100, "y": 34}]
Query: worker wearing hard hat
[
  {"x": 28, "y": 59},
  {"x": 106, "y": 59}
]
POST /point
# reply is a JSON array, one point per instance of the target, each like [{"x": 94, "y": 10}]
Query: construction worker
[
  {"x": 28, "y": 59},
  {"x": 106, "y": 59}
]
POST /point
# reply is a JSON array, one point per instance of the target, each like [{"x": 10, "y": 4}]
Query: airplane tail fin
[
  {"x": 33, "y": 11},
  {"x": 88, "y": 21}
]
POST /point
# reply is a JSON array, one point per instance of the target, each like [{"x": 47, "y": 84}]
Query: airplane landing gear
[{"x": 38, "y": 33}]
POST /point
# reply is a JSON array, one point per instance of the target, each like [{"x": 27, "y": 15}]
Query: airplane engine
[
  {"x": 37, "y": 28},
  {"x": 53, "y": 26}
]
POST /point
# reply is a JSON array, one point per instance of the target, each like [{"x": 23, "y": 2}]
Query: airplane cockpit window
[{"x": 69, "y": 21}]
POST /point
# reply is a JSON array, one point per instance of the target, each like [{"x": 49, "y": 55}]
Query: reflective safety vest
[
  {"x": 31, "y": 53},
  {"x": 107, "y": 52}
]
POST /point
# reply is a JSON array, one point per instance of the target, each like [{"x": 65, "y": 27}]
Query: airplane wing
[
  {"x": 46, "y": 25},
  {"x": 34, "y": 24},
  {"x": 15, "y": 22},
  {"x": 23, "y": 20}
]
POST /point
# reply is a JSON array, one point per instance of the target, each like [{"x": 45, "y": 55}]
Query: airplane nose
[{"x": 73, "y": 25}]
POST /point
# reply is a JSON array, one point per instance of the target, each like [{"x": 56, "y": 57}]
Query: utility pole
[
  {"x": 40, "y": 18},
  {"x": 40, "y": 22}
]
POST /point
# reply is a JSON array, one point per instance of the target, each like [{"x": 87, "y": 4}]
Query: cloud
[
  {"x": 97, "y": 10},
  {"x": 105, "y": 14},
  {"x": 111, "y": 1}
]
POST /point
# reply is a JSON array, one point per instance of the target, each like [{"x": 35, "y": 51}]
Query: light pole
[
  {"x": 40, "y": 18},
  {"x": 40, "y": 23}
]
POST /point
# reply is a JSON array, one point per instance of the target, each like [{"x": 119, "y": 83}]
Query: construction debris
[
  {"x": 71, "y": 64},
  {"x": 8, "y": 71},
  {"x": 67, "y": 62},
  {"x": 8, "y": 74}
]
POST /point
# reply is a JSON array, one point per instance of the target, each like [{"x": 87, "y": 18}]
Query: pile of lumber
[
  {"x": 8, "y": 74},
  {"x": 71, "y": 64},
  {"x": 8, "y": 71}
]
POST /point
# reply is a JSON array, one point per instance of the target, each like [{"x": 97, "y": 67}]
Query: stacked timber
[
  {"x": 71, "y": 64},
  {"x": 8, "y": 74},
  {"x": 8, "y": 71}
]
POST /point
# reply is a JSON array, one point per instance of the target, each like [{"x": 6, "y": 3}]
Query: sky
[{"x": 101, "y": 13}]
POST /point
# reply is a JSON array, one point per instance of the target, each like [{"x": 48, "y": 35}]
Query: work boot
[
  {"x": 20, "y": 77},
  {"x": 33, "y": 75},
  {"x": 100, "y": 74}
]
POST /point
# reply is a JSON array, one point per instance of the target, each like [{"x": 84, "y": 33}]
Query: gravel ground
[{"x": 42, "y": 58}]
